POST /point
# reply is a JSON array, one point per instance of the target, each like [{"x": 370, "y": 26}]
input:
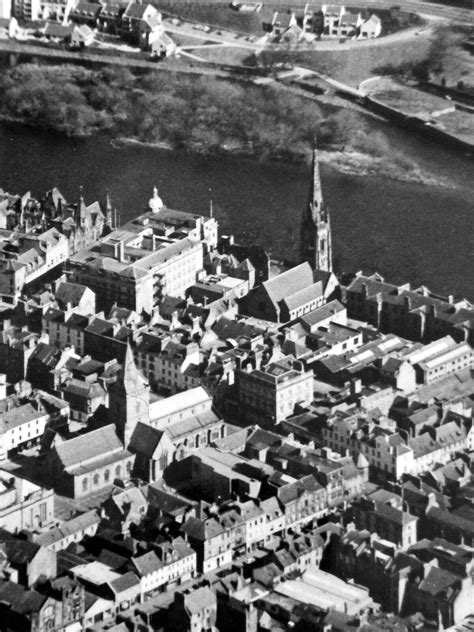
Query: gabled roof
[
  {"x": 147, "y": 564},
  {"x": 89, "y": 446},
  {"x": 202, "y": 529},
  {"x": 22, "y": 601},
  {"x": 439, "y": 583},
  {"x": 136, "y": 10},
  {"x": 145, "y": 439},
  {"x": 305, "y": 295},
  {"x": 67, "y": 292},
  {"x": 199, "y": 599},
  {"x": 288, "y": 283},
  {"x": 18, "y": 552}
]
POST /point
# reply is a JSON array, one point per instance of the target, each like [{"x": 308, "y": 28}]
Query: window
[
  {"x": 106, "y": 476},
  {"x": 84, "y": 484},
  {"x": 95, "y": 480},
  {"x": 118, "y": 471}
]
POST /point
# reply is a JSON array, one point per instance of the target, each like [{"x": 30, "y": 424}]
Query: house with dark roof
[
  {"x": 210, "y": 539},
  {"x": 417, "y": 314},
  {"x": 170, "y": 563},
  {"x": 86, "y": 13},
  {"x": 110, "y": 17},
  {"x": 23, "y": 610},
  {"x": 25, "y": 561},
  {"x": 138, "y": 23},
  {"x": 84, "y": 397},
  {"x": 389, "y": 522},
  {"x": 154, "y": 451},
  {"x": 73, "y": 296}
]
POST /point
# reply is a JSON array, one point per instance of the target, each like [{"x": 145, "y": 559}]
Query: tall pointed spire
[
  {"x": 131, "y": 379},
  {"x": 81, "y": 207},
  {"x": 129, "y": 401},
  {"x": 315, "y": 193},
  {"x": 109, "y": 210},
  {"x": 315, "y": 243}
]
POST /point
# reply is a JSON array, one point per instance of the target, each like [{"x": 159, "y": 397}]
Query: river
[{"x": 410, "y": 232}]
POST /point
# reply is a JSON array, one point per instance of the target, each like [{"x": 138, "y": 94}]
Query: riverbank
[
  {"x": 400, "y": 228},
  {"x": 199, "y": 115},
  {"x": 354, "y": 163}
]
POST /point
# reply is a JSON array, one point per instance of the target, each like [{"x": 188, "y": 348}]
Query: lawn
[
  {"x": 223, "y": 55},
  {"x": 352, "y": 66}
]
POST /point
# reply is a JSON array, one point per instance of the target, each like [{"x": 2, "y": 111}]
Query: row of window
[{"x": 107, "y": 477}]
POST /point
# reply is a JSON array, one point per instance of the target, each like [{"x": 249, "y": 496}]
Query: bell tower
[
  {"x": 129, "y": 401},
  {"x": 315, "y": 243}
]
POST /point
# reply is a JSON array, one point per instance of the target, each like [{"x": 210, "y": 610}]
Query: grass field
[{"x": 354, "y": 65}]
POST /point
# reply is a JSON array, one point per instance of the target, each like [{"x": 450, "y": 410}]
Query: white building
[
  {"x": 371, "y": 28},
  {"x": 69, "y": 531},
  {"x": 24, "y": 505}
]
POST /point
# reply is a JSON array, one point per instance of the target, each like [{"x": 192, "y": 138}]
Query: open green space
[
  {"x": 353, "y": 65},
  {"x": 217, "y": 15}
]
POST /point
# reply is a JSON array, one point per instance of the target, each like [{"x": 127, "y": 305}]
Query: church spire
[
  {"x": 81, "y": 207},
  {"x": 315, "y": 193},
  {"x": 129, "y": 401},
  {"x": 315, "y": 243},
  {"x": 109, "y": 210},
  {"x": 131, "y": 379}
]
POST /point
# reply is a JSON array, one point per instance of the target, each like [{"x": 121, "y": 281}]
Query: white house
[{"x": 371, "y": 28}]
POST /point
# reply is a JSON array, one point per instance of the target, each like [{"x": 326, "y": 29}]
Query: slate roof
[
  {"x": 22, "y": 601},
  {"x": 91, "y": 445},
  {"x": 57, "y": 30},
  {"x": 167, "y": 503},
  {"x": 18, "y": 416},
  {"x": 292, "y": 491},
  {"x": 202, "y": 529},
  {"x": 145, "y": 439},
  {"x": 46, "y": 354},
  {"x": 83, "y": 8},
  {"x": 124, "y": 582},
  {"x": 69, "y": 527},
  {"x": 19, "y": 552},
  {"x": 225, "y": 328},
  {"x": 136, "y": 10},
  {"x": 67, "y": 292},
  {"x": 439, "y": 583},
  {"x": 305, "y": 295},
  {"x": 288, "y": 283},
  {"x": 187, "y": 426},
  {"x": 450, "y": 520},
  {"x": 199, "y": 599},
  {"x": 81, "y": 388},
  {"x": 322, "y": 313},
  {"x": 147, "y": 563}
]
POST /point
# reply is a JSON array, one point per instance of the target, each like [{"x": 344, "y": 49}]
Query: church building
[{"x": 316, "y": 246}]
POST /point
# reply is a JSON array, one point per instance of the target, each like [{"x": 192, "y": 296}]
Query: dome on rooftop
[{"x": 155, "y": 203}]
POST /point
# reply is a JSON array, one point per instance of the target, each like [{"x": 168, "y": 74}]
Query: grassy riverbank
[{"x": 200, "y": 114}]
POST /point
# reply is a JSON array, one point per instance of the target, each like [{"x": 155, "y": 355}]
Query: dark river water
[{"x": 409, "y": 232}]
